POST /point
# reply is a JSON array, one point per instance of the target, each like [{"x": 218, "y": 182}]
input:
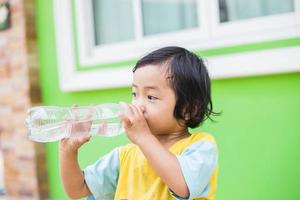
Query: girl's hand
[
  {"x": 71, "y": 145},
  {"x": 75, "y": 141},
  {"x": 134, "y": 122}
]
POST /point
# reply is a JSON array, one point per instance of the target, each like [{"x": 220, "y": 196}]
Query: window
[
  {"x": 117, "y": 24},
  {"x": 232, "y": 10},
  {"x": 99, "y": 40},
  {"x": 124, "y": 29},
  {"x": 168, "y": 16},
  {"x": 113, "y": 25},
  {"x": 116, "y": 30}
]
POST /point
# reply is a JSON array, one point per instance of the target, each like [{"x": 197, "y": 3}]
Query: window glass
[
  {"x": 113, "y": 21},
  {"x": 168, "y": 15},
  {"x": 231, "y": 10}
]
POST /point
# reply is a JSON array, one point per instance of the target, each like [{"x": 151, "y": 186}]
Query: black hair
[{"x": 190, "y": 81}]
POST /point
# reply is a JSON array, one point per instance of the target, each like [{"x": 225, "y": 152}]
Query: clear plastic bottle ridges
[{"x": 52, "y": 123}]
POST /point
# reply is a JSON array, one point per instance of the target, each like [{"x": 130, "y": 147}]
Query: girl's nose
[{"x": 143, "y": 109}]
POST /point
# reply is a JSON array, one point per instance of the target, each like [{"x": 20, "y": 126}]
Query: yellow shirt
[
  {"x": 137, "y": 180},
  {"x": 124, "y": 173}
]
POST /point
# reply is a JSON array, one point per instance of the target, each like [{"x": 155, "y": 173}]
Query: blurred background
[{"x": 82, "y": 52}]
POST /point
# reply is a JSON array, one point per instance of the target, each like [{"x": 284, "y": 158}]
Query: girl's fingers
[
  {"x": 138, "y": 110},
  {"x": 74, "y": 106},
  {"x": 69, "y": 118},
  {"x": 134, "y": 110},
  {"x": 126, "y": 121},
  {"x": 127, "y": 111},
  {"x": 131, "y": 111},
  {"x": 73, "y": 111},
  {"x": 126, "y": 115},
  {"x": 84, "y": 139}
]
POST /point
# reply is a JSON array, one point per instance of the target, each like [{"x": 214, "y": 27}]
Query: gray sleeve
[
  {"x": 198, "y": 163},
  {"x": 102, "y": 176}
]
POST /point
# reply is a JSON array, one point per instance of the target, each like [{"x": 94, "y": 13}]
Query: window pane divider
[{"x": 138, "y": 19}]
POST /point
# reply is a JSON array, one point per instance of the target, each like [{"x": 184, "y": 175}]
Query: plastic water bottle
[{"x": 52, "y": 123}]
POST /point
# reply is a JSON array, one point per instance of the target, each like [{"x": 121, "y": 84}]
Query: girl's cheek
[{"x": 151, "y": 113}]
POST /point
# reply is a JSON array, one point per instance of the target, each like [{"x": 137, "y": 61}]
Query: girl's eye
[
  {"x": 133, "y": 94},
  {"x": 151, "y": 97}
]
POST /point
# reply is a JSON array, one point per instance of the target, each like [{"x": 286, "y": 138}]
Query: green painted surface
[
  {"x": 258, "y": 132},
  {"x": 258, "y": 137}
]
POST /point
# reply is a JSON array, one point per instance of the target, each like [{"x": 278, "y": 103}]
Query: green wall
[{"x": 258, "y": 132}]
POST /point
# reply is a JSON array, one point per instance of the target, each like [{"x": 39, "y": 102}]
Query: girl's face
[{"x": 152, "y": 92}]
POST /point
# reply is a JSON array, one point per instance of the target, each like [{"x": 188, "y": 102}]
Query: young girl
[{"x": 170, "y": 92}]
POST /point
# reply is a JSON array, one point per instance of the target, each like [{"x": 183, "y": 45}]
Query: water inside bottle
[
  {"x": 47, "y": 124},
  {"x": 106, "y": 121},
  {"x": 106, "y": 127},
  {"x": 50, "y": 134}
]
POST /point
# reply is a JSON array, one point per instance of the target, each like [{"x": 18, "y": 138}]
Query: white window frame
[
  {"x": 262, "y": 28},
  {"x": 90, "y": 54},
  {"x": 210, "y": 34}
]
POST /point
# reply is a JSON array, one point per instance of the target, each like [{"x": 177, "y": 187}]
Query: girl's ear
[
  {"x": 185, "y": 114},
  {"x": 186, "y": 117}
]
